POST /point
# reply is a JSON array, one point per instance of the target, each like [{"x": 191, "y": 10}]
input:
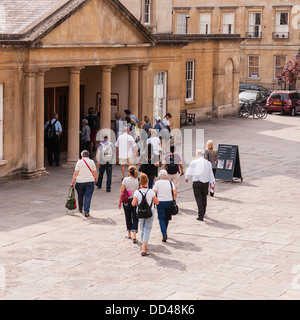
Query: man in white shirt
[
  {"x": 126, "y": 150},
  {"x": 201, "y": 172}
]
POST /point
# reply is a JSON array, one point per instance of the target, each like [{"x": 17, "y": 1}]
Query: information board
[{"x": 228, "y": 165}]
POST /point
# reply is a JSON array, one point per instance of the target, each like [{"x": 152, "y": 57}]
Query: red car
[{"x": 284, "y": 101}]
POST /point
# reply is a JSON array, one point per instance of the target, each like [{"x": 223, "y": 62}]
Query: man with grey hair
[{"x": 200, "y": 170}]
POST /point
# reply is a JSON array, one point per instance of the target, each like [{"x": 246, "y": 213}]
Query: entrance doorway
[{"x": 57, "y": 100}]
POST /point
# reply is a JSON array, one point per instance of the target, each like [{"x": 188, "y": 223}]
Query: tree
[{"x": 290, "y": 73}]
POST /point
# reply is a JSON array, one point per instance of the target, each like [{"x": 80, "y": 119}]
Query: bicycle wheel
[
  {"x": 239, "y": 112},
  {"x": 264, "y": 112},
  {"x": 256, "y": 112},
  {"x": 244, "y": 110}
]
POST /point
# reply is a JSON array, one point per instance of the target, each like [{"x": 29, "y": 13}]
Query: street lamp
[{"x": 186, "y": 24}]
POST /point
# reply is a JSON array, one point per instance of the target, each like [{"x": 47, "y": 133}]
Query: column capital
[
  {"x": 75, "y": 69},
  {"x": 108, "y": 67},
  {"x": 134, "y": 66},
  {"x": 144, "y": 66},
  {"x": 30, "y": 72},
  {"x": 41, "y": 72}
]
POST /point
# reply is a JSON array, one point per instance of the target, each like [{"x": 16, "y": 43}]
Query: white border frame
[{"x": 1, "y": 121}]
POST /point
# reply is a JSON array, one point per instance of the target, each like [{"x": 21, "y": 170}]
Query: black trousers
[
  {"x": 108, "y": 168},
  {"x": 53, "y": 150},
  {"x": 200, "y": 193}
]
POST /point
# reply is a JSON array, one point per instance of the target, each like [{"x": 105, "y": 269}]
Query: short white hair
[
  {"x": 163, "y": 174},
  {"x": 199, "y": 152}
]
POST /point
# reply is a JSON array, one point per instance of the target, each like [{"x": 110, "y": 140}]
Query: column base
[
  {"x": 69, "y": 164},
  {"x": 30, "y": 175},
  {"x": 42, "y": 172}
]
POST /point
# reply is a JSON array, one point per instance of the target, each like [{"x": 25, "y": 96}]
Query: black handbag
[{"x": 174, "y": 207}]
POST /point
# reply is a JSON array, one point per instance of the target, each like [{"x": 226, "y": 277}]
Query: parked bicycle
[{"x": 250, "y": 108}]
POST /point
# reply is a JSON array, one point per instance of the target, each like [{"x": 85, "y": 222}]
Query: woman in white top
[
  {"x": 85, "y": 176},
  {"x": 145, "y": 224},
  {"x": 163, "y": 189},
  {"x": 130, "y": 185}
]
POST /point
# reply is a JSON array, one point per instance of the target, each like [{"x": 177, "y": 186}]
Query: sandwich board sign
[{"x": 228, "y": 165}]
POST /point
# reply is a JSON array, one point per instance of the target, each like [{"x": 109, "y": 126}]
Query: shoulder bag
[{"x": 174, "y": 208}]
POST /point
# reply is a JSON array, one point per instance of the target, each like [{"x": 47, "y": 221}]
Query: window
[
  {"x": 1, "y": 121},
  {"x": 282, "y": 25},
  {"x": 228, "y": 23},
  {"x": 253, "y": 67},
  {"x": 147, "y": 11},
  {"x": 160, "y": 94},
  {"x": 280, "y": 61},
  {"x": 190, "y": 72},
  {"x": 205, "y": 22},
  {"x": 254, "y": 30},
  {"x": 182, "y": 23}
]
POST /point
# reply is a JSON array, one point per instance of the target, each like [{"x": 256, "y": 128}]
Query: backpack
[
  {"x": 172, "y": 167},
  {"x": 92, "y": 121},
  {"x": 144, "y": 209},
  {"x": 106, "y": 154},
  {"x": 50, "y": 131}
]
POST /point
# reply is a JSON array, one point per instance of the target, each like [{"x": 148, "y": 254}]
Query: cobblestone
[{"x": 247, "y": 247}]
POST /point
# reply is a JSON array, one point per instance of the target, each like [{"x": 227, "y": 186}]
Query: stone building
[
  {"x": 65, "y": 56},
  {"x": 271, "y": 29}
]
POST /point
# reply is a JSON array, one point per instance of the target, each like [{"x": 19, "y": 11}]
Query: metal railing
[
  {"x": 254, "y": 35},
  {"x": 280, "y": 35}
]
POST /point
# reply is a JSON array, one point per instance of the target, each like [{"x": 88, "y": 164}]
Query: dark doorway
[{"x": 61, "y": 107}]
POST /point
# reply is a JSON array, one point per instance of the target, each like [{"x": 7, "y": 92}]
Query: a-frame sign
[{"x": 228, "y": 165}]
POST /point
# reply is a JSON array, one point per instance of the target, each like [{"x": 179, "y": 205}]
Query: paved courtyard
[{"x": 247, "y": 247}]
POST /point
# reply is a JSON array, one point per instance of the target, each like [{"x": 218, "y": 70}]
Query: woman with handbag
[
  {"x": 129, "y": 186},
  {"x": 85, "y": 176},
  {"x": 145, "y": 223},
  {"x": 165, "y": 196}
]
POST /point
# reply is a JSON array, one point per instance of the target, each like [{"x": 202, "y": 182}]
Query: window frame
[
  {"x": 181, "y": 28},
  {"x": 147, "y": 12},
  {"x": 258, "y": 66},
  {"x": 190, "y": 81},
  {"x": 232, "y": 29},
  {"x": 160, "y": 93},
  {"x": 275, "y": 64},
  {"x": 252, "y": 27},
  {"x": 200, "y": 24}
]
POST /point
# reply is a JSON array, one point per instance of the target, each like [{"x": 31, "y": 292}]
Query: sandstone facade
[{"x": 65, "y": 55}]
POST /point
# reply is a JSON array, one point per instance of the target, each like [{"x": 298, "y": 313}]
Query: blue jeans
[
  {"x": 163, "y": 212},
  {"x": 85, "y": 192},
  {"x": 146, "y": 227}
]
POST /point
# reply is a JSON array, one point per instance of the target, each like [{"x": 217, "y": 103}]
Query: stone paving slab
[{"x": 248, "y": 246}]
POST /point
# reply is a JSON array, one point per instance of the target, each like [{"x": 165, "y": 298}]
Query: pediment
[{"x": 98, "y": 22}]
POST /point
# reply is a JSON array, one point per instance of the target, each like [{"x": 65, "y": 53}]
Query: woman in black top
[{"x": 149, "y": 164}]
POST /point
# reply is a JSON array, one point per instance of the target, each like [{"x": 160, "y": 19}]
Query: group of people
[{"x": 145, "y": 183}]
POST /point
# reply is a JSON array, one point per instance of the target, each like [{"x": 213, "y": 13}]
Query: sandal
[
  {"x": 134, "y": 240},
  {"x": 127, "y": 237},
  {"x": 146, "y": 253}
]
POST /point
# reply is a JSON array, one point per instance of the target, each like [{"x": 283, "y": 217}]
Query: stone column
[
  {"x": 29, "y": 125},
  {"x": 105, "y": 113},
  {"x": 143, "y": 101},
  {"x": 40, "y": 122},
  {"x": 134, "y": 89},
  {"x": 73, "y": 117}
]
